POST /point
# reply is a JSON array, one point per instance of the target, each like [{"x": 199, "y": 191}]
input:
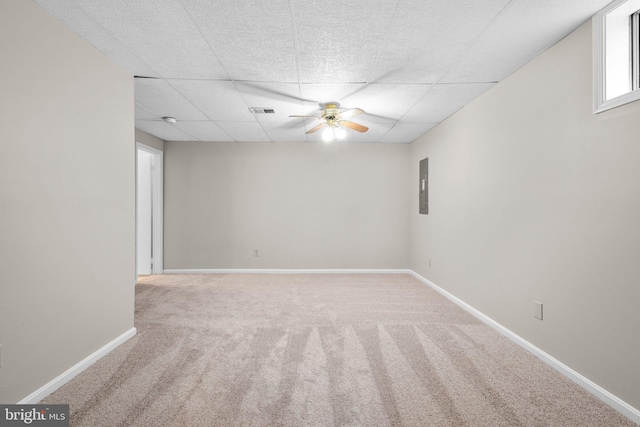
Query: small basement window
[{"x": 616, "y": 42}]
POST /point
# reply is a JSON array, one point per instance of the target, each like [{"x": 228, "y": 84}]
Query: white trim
[
  {"x": 600, "y": 61},
  {"x": 288, "y": 271},
  {"x": 158, "y": 206},
  {"x": 148, "y": 148},
  {"x": 616, "y": 102},
  {"x": 70, "y": 373},
  {"x": 610, "y": 399}
]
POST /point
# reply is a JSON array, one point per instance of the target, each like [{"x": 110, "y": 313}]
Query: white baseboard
[
  {"x": 288, "y": 271},
  {"x": 70, "y": 373},
  {"x": 610, "y": 399}
]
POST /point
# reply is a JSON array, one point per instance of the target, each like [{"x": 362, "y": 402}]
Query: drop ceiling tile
[
  {"x": 524, "y": 30},
  {"x": 77, "y": 20},
  {"x": 388, "y": 102},
  {"x": 338, "y": 40},
  {"x": 442, "y": 100},
  {"x": 254, "y": 40},
  {"x": 314, "y": 94},
  {"x": 204, "y": 131},
  {"x": 382, "y": 56},
  {"x": 426, "y": 37},
  {"x": 159, "y": 98},
  {"x": 406, "y": 132},
  {"x": 160, "y": 33},
  {"x": 381, "y": 102},
  {"x": 244, "y": 131},
  {"x": 284, "y": 131},
  {"x": 284, "y": 98},
  {"x": 140, "y": 113},
  {"x": 219, "y": 100},
  {"x": 163, "y": 130},
  {"x": 369, "y": 120},
  {"x": 374, "y": 134}
]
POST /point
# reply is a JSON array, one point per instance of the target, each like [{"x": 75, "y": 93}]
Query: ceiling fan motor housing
[{"x": 331, "y": 109}]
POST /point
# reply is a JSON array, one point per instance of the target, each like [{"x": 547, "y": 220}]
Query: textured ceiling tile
[
  {"x": 375, "y": 132},
  {"x": 314, "y": 94},
  {"x": 507, "y": 46},
  {"x": 282, "y": 111},
  {"x": 160, "y": 33},
  {"x": 426, "y": 36},
  {"x": 442, "y": 100},
  {"x": 76, "y": 19},
  {"x": 386, "y": 102},
  {"x": 383, "y": 104},
  {"x": 204, "y": 131},
  {"x": 162, "y": 130},
  {"x": 390, "y": 101},
  {"x": 253, "y": 40},
  {"x": 285, "y": 131},
  {"x": 338, "y": 40},
  {"x": 382, "y": 56},
  {"x": 219, "y": 100},
  {"x": 406, "y": 132},
  {"x": 369, "y": 120},
  {"x": 141, "y": 113},
  {"x": 284, "y": 98},
  {"x": 159, "y": 98},
  {"x": 244, "y": 131}
]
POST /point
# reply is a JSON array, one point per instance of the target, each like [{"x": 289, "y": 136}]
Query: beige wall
[
  {"x": 532, "y": 197},
  {"x": 66, "y": 199},
  {"x": 301, "y": 205}
]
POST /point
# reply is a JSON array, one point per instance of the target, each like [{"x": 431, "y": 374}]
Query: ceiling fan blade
[
  {"x": 305, "y": 117},
  {"x": 354, "y": 126},
  {"x": 320, "y": 126},
  {"x": 349, "y": 113}
]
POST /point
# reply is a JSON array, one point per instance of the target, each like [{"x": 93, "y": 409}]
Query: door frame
[{"x": 157, "y": 208}]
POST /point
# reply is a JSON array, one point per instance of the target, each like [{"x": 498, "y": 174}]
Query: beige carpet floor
[{"x": 318, "y": 350}]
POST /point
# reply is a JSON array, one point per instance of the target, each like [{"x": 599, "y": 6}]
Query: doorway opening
[{"x": 149, "y": 214}]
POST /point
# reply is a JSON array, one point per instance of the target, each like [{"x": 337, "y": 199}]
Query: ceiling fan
[{"x": 334, "y": 121}]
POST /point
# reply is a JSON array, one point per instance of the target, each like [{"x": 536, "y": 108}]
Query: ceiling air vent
[{"x": 262, "y": 110}]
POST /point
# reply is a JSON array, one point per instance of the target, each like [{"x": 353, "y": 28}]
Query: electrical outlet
[
  {"x": 256, "y": 253},
  {"x": 537, "y": 310}
]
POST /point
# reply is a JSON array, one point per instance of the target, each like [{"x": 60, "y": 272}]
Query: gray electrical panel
[{"x": 424, "y": 186}]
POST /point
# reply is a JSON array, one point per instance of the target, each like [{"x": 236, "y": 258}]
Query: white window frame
[{"x": 600, "y": 31}]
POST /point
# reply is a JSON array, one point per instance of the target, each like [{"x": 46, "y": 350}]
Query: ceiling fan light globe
[
  {"x": 327, "y": 135},
  {"x": 341, "y": 133}
]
